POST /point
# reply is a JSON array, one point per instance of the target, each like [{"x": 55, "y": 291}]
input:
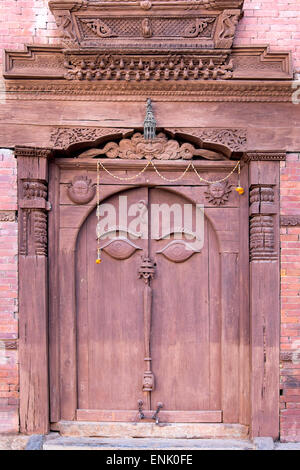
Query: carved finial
[{"x": 150, "y": 122}]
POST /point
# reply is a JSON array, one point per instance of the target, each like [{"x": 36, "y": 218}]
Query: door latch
[
  {"x": 155, "y": 416},
  {"x": 141, "y": 413}
]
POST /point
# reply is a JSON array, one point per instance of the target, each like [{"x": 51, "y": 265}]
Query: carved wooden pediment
[{"x": 146, "y": 46}]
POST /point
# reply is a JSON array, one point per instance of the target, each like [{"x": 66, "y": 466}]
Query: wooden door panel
[
  {"x": 185, "y": 341},
  {"x": 110, "y": 321}
]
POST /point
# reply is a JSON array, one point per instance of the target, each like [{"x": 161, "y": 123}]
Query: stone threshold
[
  {"x": 151, "y": 430},
  {"x": 56, "y": 442}
]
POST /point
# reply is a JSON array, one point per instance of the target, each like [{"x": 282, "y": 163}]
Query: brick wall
[
  {"x": 273, "y": 22},
  {"x": 290, "y": 302},
  {"x": 8, "y": 294}
]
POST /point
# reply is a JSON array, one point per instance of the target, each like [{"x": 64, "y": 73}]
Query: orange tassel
[{"x": 240, "y": 190}]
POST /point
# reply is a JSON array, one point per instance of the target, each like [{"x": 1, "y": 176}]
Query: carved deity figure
[{"x": 146, "y": 28}]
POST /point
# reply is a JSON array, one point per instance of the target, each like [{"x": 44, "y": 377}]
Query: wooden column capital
[{"x": 33, "y": 152}]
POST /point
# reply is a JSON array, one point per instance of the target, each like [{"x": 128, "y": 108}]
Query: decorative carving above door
[{"x": 166, "y": 43}]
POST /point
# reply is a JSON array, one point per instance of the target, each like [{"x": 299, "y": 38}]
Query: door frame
[{"x": 260, "y": 338}]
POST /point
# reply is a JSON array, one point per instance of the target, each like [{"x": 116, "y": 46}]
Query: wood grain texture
[
  {"x": 165, "y": 416},
  {"x": 54, "y": 350}
]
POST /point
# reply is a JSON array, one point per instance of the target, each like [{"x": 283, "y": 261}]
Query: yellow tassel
[
  {"x": 98, "y": 261},
  {"x": 240, "y": 190}
]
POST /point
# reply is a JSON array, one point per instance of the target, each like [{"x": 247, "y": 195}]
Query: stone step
[{"x": 56, "y": 442}]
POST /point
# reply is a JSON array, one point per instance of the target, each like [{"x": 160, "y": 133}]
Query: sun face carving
[
  {"x": 218, "y": 193},
  {"x": 81, "y": 190}
]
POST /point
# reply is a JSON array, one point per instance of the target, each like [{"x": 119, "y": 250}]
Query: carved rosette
[
  {"x": 33, "y": 218},
  {"x": 262, "y": 233}
]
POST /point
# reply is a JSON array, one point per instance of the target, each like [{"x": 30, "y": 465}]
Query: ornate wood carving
[
  {"x": 33, "y": 288},
  {"x": 146, "y": 272},
  {"x": 81, "y": 190},
  {"x": 166, "y": 44},
  {"x": 226, "y": 28},
  {"x": 32, "y": 152},
  {"x": 116, "y": 91},
  {"x": 65, "y": 137},
  {"x": 95, "y": 24},
  {"x": 7, "y": 216},
  {"x": 218, "y": 193},
  {"x": 9, "y": 343},
  {"x": 289, "y": 220},
  {"x": 132, "y": 67},
  {"x": 262, "y": 210},
  {"x": 265, "y": 156},
  {"x": 234, "y": 139},
  {"x": 161, "y": 148},
  {"x": 33, "y": 218}
]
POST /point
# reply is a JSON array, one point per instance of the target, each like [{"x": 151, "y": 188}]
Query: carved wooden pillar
[
  {"x": 33, "y": 287},
  {"x": 265, "y": 291}
]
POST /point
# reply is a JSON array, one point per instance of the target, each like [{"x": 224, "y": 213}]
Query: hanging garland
[{"x": 240, "y": 190}]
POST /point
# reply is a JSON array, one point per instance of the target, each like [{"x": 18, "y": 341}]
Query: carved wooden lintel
[
  {"x": 148, "y": 24},
  {"x": 290, "y": 220}
]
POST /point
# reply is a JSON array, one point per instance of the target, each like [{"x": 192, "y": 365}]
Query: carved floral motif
[
  {"x": 197, "y": 28},
  {"x": 218, "y": 193},
  {"x": 81, "y": 190},
  {"x": 98, "y": 27},
  {"x": 234, "y": 139},
  {"x": 63, "y": 137}
]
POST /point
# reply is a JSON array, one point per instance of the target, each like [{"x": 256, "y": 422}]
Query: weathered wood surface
[
  {"x": 33, "y": 298},
  {"x": 164, "y": 416},
  {"x": 265, "y": 306}
]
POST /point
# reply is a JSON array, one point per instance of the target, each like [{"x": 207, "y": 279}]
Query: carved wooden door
[{"x": 148, "y": 317}]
